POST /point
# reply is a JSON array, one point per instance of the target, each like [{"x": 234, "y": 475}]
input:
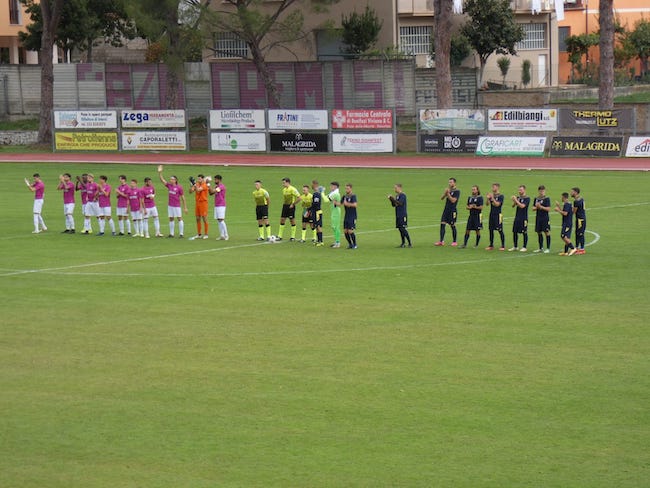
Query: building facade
[{"x": 12, "y": 21}]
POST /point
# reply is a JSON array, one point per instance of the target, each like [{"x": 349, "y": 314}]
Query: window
[
  {"x": 14, "y": 12},
  {"x": 229, "y": 45},
  {"x": 534, "y": 37},
  {"x": 415, "y": 39},
  {"x": 562, "y": 34}
]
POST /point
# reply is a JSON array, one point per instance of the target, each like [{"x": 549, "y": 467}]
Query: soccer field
[{"x": 128, "y": 362}]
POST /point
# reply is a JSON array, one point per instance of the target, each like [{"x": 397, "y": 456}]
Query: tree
[
  {"x": 578, "y": 47},
  {"x": 607, "y": 32},
  {"x": 491, "y": 28},
  {"x": 442, "y": 48},
  {"x": 263, "y": 26},
  {"x": 639, "y": 43},
  {"x": 504, "y": 66},
  {"x": 360, "y": 31},
  {"x": 460, "y": 49},
  {"x": 525, "y": 72}
]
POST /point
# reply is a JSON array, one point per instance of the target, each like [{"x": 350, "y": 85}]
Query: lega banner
[
  {"x": 299, "y": 142},
  {"x": 638, "y": 147},
  {"x": 448, "y": 144},
  {"x": 587, "y": 146},
  {"x": 152, "y": 119}
]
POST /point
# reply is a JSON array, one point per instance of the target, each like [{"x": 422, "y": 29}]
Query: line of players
[{"x": 542, "y": 207}]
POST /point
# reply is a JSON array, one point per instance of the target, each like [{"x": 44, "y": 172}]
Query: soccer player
[
  {"x": 80, "y": 186},
  {"x": 104, "y": 202},
  {"x": 334, "y": 197},
  {"x": 475, "y": 220},
  {"x": 150, "y": 210},
  {"x": 306, "y": 200},
  {"x": 290, "y": 197},
  {"x": 317, "y": 212},
  {"x": 350, "y": 216},
  {"x": 219, "y": 192},
  {"x": 92, "y": 203},
  {"x": 123, "y": 206},
  {"x": 262, "y": 202},
  {"x": 401, "y": 217},
  {"x": 449, "y": 214},
  {"x": 581, "y": 219},
  {"x": 67, "y": 187},
  {"x": 201, "y": 191},
  {"x": 135, "y": 205},
  {"x": 495, "y": 201},
  {"x": 176, "y": 198},
  {"x": 542, "y": 207},
  {"x": 567, "y": 216},
  {"x": 520, "y": 225},
  {"x": 37, "y": 187}
]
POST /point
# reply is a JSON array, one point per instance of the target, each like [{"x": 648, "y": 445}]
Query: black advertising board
[
  {"x": 448, "y": 143},
  {"x": 587, "y": 146},
  {"x": 596, "y": 119},
  {"x": 299, "y": 142}
]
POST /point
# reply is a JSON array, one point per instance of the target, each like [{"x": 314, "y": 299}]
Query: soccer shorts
[
  {"x": 306, "y": 217},
  {"x": 401, "y": 222},
  {"x": 174, "y": 212},
  {"x": 542, "y": 226},
  {"x": 220, "y": 213},
  {"x": 581, "y": 225},
  {"x": 152, "y": 212},
  {"x": 38, "y": 206},
  {"x": 496, "y": 222},
  {"x": 474, "y": 222},
  {"x": 122, "y": 212},
  {"x": 201, "y": 209},
  {"x": 349, "y": 224},
  {"x": 288, "y": 212},
  {"x": 262, "y": 212},
  {"x": 449, "y": 217},
  {"x": 317, "y": 219},
  {"x": 92, "y": 209},
  {"x": 136, "y": 214},
  {"x": 68, "y": 208},
  {"x": 520, "y": 226},
  {"x": 566, "y": 232},
  {"x": 105, "y": 212}
]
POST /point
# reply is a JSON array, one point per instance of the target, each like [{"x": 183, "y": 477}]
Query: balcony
[
  {"x": 415, "y": 7},
  {"x": 523, "y": 6}
]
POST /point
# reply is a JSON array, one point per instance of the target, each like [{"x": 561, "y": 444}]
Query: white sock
[
  {"x": 121, "y": 224},
  {"x": 36, "y": 222},
  {"x": 102, "y": 225},
  {"x": 128, "y": 226},
  {"x": 181, "y": 227},
  {"x": 145, "y": 226},
  {"x": 172, "y": 227},
  {"x": 224, "y": 229},
  {"x": 41, "y": 221},
  {"x": 112, "y": 225},
  {"x": 156, "y": 225}
]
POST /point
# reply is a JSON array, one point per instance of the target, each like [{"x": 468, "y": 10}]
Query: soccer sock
[
  {"x": 145, "y": 226},
  {"x": 120, "y": 223},
  {"x": 41, "y": 221},
  {"x": 260, "y": 230},
  {"x": 304, "y": 234},
  {"x": 156, "y": 225},
  {"x": 128, "y": 226},
  {"x": 111, "y": 224},
  {"x": 408, "y": 237},
  {"x": 442, "y": 232},
  {"x": 206, "y": 226},
  {"x": 87, "y": 225},
  {"x": 319, "y": 237},
  {"x": 525, "y": 239},
  {"x": 566, "y": 247},
  {"x": 353, "y": 236},
  {"x": 69, "y": 220},
  {"x": 198, "y": 227},
  {"x": 135, "y": 227},
  {"x": 293, "y": 231},
  {"x": 582, "y": 241},
  {"x": 224, "y": 228},
  {"x": 348, "y": 238},
  {"x": 465, "y": 240},
  {"x": 491, "y": 238},
  {"x": 540, "y": 240},
  {"x": 402, "y": 236},
  {"x": 172, "y": 227},
  {"x": 548, "y": 241},
  {"x": 503, "y": 238},
  {"x": 268, "y": 231},
  {"x": 454, "y": 232},
  {"x": 478, "y": 238},
  {"x": 181, "y": 227},
  {"x": 315, "y": 234},
  {"x": 281, "y": 231},
  {"x": 515, "y": 239},
  {"x": 570, "y": 245},
  {"x": 36, "y": 222},
  {"x": 102, "y": 225}
]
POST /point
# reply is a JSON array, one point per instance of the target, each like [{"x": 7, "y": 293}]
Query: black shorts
[
  {"x": 401, "y": 222},
  {"x": 520, "y": 226},
  {"x": 474, "y": 222},
  {"x": 288, "y": 211},
  {"x": 542, "y": 226},
  {"x": 449, "y": 217},
  {"x": 317, "y": 219},
  {"x": 350, "y": 224},
  {"x": 496, "y": 222},
  {"x": 566, "y": 232},
  {"x": 262, "y": 212},
  {"x": 581, "y": 225},
  {"x": 306, "y": 216}
]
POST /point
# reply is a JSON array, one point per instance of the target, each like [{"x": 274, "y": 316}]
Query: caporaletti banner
[
  {"x": 238, "y": 141},
  {"x": 362, "y": 142},
  {"x": 152, "y": 119},
  {"x": 85, "y": 119},
  {"x": 362, "y": 119},
  {"x": 237, "y": 119},
  {"x": 638, "y": 147},
  {"x": 596, "y": 119},
  {"x": 298, "y": 119},
  {"x": 522, "y": 119},
  {"x": 511, "y": 146},
  {"x": 85, "y": 141},
  {"x": 154, "y": 141},
  {"x": 587, "y": 146},
  {"x": 452, "y": 119}
]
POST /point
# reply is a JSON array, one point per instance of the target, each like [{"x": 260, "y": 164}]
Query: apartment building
[{"x": 12, "y": 21}]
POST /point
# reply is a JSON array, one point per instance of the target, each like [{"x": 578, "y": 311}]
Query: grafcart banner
[
  {"x": 511, "y": 146},
  {"x": 362, "y": 143},
  {"x": 596, "y": 119},
  {"x": 452, "y": 119},
  {"x": 362, "y": 119},
  {"x": 522, "y": 119},
  {"x": 237, "y": 119},
  {"x": 448, "y": 144},
  {"x": 638, "y": 147},
  {"x": 152, "y": 119},
  {"x": 159, "y": 141},
  {"x": 587, "y": 146},
  {"x": 85, "y": 141},
  {"x": 85, "y": 119},
  {"x": 238, "y": 141}
]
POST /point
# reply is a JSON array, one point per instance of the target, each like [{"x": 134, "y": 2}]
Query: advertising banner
[
  {"x": 298, "y": 119},
  {"x": 90, "y": 119},
  {"x": 85, "y": 141},
  {"x": 237, "y": 141},
  {"x": 596, "y": 119},
  {"x": 362, "y": 143},
  {"x": 154, "y": 141},
  {"x": 448, "y": 144},
  {"x": 299, "y": 142},
  {"x": 237, "y": 119},
  {"x": 522, "y": 119},
  {"x": 362, "y": 119},
  {"x": 152, "y": 119},
  {"x": 587, "y": 146},
  {"x": 511, "y": 146},
  {"x": 452, "y": 119},
  {"x": 638, "y": 147}
]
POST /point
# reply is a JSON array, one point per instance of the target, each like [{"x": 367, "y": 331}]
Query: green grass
[{"x": 168, "y": 363}]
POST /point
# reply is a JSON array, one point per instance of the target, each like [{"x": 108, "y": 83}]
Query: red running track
[{"x": 340, "y": 161}]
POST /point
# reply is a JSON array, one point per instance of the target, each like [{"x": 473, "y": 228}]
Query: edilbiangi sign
[
  {"x": 596, "y": 119},
  {"x": 522, "y": 119},
  {"x": 587, "y": 146},
  {"x": 638, "y": 147},
  {"x": 299, "y": 142},
  {"x": 448, "y": 144}
]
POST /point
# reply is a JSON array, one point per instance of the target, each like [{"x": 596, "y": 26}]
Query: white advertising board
[
  {"x": 85, "y": 119},
  {"x": 362, "y": 143},
  {"x": 154, "y": 141},
  {"x": 522, "y": 119},
  {"x": 298, "y": 119},
  {"x": 638, "y": 147},
  {"x": 238, "y": 141},
  {"x": 237, "y": 119},
  {"x": 152, "y": 119},
  {"x": 511, "y": 146}
]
